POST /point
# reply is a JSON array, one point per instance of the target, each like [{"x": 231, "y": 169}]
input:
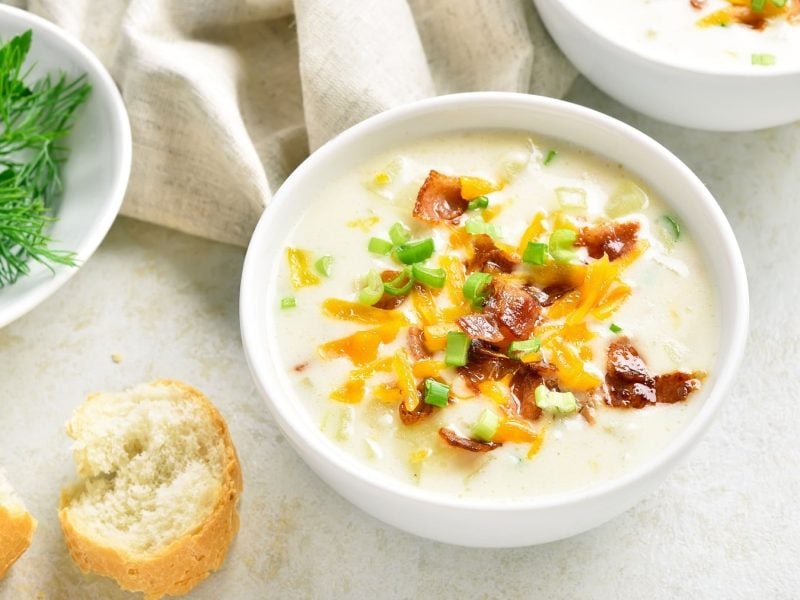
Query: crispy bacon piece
[
  {"x": 485, "y": 364},
  {"x": 439, "y": 199},
  {"x": 614, "y": 239},
  {"x": 387, "y": 301},
  {"x": 514, "y": 307},
  {"x": 698, "y": 4},
  {"x": 550, "y": 294},
  {"x": 416, "y": 344},
  {"x": 455, "y": 440},
  {"x": 481, "y": 327},
  {"x": 630, "y": 385},
  {"x": 488, "y": 257},
  {"x": 422, "y": 410},
  {"x": 523, "y": 385},
  {"x": 676, "y": 386}
]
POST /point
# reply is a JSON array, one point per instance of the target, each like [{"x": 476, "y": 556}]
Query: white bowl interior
[
  {"x": 588, "y": 129},
  {"x": 95, "y": 175}
]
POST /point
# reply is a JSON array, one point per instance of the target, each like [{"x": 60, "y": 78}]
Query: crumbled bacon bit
[
  {"x": 698, "y": 4},
  {"x": 485, "y": 364},
  {"x": 481, "y": 327},
  {"x": 422, "y": 410},
  {"x": 387, "y": 301},
  {"x": 630, "y": 385},
  {"x": 611, "y": 238},
  {"x": 486, "y": 256},
  {"x": 514, "y": 307},
  {"x": 416, "y": 344},
  {"x": 523, "y": 387},
  {"x": 300, "y": 367},
  {"x": 455, "y": 440},
  {"x": 439, "y": 199}
]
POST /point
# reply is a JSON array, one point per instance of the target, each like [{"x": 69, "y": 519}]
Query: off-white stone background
[{"x": 724, "y": 525}]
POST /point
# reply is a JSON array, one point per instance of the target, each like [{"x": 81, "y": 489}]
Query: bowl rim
[
  {"x": 105, "y": 218},
  {"x": 250, "y": 309},
  {"x": 733, "y": 72}
]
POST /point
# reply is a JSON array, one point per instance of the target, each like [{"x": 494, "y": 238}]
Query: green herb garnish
[
  {"x": 551, "y": 154},
  {"x": 35, "y": 117}
]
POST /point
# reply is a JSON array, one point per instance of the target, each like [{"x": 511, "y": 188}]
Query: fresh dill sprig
[{"x": 34, "y": 119}]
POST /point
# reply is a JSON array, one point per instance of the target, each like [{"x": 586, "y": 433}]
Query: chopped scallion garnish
[
  {"x": 428, "y": 276},
  {"x": 436, "y": 393},
  {"x": 758, "y": 5},
  {"x": 669, "y": 229},
  {"x": 561, "y": 241},
  {"x": 399, "y": 234},
  {"x": 520, "y": 347},
  {"x": 476, "y": 288},
  {"x": 456, "y": 349},
  {"x": 556, "y": 403},
  {"x": 535, "y": 253},
  {"x": 323, "y": 265},
  {"x": 764, "y": 60},
  {"x": 400, "y": 285},
  {"x": 414, "y": 252},
  {"x": 486, "y": 426},
  {"x": 288, "y": 302},
  {"x": 480, "y": 202},
  {"x": 551, "y": 154},
  {"x": 477, "y": 226},
  {"x": 371, "y": 288},
  {"x": 379, "y": 246},
  {"x": 779, "y": 3},
  {"x": 615, "y": 328}
]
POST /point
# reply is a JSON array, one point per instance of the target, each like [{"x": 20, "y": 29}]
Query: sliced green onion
[
  {"x": 518, "y": 348},
  {"x": 535, "y": 253},
  {"x": 551, "y": 154},
  {"x": 486, "y": 426},
  {"x": 288, "y": 302},
  {"x": 764, "y": 60},
  {"x": 371, "y": 288},
  {"x": 436, "y": 393},
  {"x": 323, "y": 265},
  {"x": 400, "y": 285},
  {"x": 476, "y": 288},
  {"x": 556, "y": 403},
  {"x": 428, "y": 276},
  {"x": 615, "y": 328},
  {"x": 477, "y": 226},
  {"x": 626, "y": 199},
  {"x": 669, "y": 229},
  {"x": 379, "y": 246},
  {"x": 758, "y": 5},
  {"x": 414, "y": 252},
  {"x": 779, "y": 3},
  {"x": 456, "y": 349},
  {"x": 561, "y": 241},
  {"x": 478, "y": 203},
  {"x": 571, "y": 198},
  {"x": 399, "y": 234}
]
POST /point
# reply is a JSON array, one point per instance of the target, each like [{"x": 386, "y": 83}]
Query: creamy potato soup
[
  {"x": 495, "y": 315},
  {"x": 702, "y": 33}
]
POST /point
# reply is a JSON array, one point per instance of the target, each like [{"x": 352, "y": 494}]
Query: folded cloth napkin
[{"x": 226, "y": 97}]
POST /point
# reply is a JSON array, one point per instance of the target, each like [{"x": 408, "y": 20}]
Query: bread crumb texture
[
  {"x": 16, "y": 526},
  {"x": 156, "y": 505}
]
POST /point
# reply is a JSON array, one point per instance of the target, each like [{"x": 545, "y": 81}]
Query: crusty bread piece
[
  {"x": 16, "y": 526},
  {"x": 160, "y": 480}
]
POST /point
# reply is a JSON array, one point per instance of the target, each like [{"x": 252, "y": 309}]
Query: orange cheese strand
[
  {"x": 435, "y": 336},
  {"x": 350, "y": 392},
  {"x": 455, "y": 278},
  {"x": 424, "y": 369},
  {"x": 424, "y": 305},
  {"x": 571, "y": 367},
  {"x": 534, "y": 230},
  {"x": 515, "y": 431},
  {"x": 362, "y": 346},
  {"x": 472, "y": 187},
  {"x": 401, "y": 364},
  {"x": 496, "y": 391},
  {"x": 536, "y": 445},
  {"x": 564, "y": 305},
  {"x": 493, "y": 211},
  {"x": 344, "y": 310},
  {"x": 611, "y": 301},
  {"x": 300, "y": 273},
  {"x": 386, "y": 393},
  {"x": 599, "y": 276}
]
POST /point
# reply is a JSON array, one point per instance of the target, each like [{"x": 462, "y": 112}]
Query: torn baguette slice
[
  {"x": 16, "y": 526},
  {"x": 160, "y": 480}
]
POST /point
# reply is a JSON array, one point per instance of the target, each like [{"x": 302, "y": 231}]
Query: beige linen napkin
[{"x": 226, "y": 97}]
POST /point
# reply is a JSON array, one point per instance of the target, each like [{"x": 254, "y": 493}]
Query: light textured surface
[
  {"x": 226, "y": 96},
  {"x": 724, "y": 525}
]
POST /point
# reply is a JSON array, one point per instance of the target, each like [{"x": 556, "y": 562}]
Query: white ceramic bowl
[
  {"x": 493, "y": 523},
  {"x": 699, "y": 97},
  {"x": 95, "y": 175}
]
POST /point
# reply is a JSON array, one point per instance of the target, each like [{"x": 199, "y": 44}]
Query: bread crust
[
  {"x": 177, "y": 568},
  {"x": 16, "y": 532}
]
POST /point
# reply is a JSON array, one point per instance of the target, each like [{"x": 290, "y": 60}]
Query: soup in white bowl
[
  {"x": 705, "y": 33},
  {"x": 490, "y": 315}
]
